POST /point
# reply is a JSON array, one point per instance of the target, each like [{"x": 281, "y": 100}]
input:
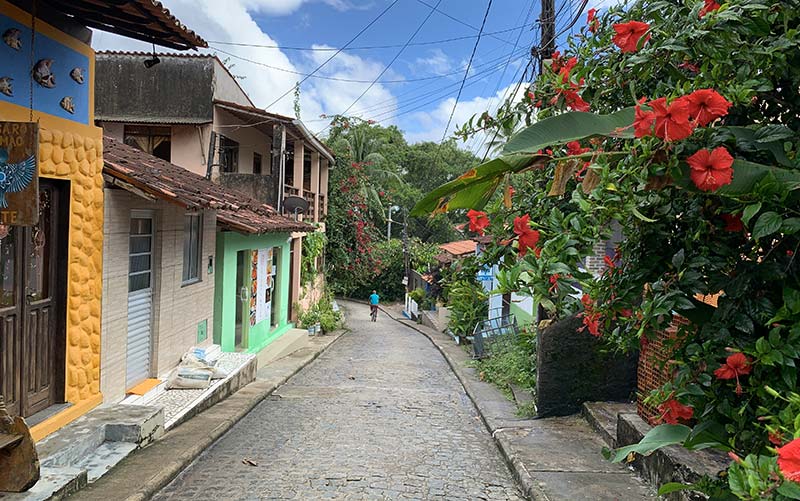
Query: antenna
[{"x": 296, "y": 205}]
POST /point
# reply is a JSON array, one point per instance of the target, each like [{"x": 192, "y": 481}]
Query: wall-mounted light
[
  {"x": 149, "y": 63},
  {"x": 210, "y": 265}
]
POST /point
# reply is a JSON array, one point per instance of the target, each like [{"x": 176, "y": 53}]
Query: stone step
[
  {"x": 602, "y": 416},
  {"x": 56, "y": 482},
  {"x": 105, "y": 458}
]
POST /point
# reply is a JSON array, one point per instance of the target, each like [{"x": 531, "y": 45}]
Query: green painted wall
[
  {"x": 225, "y": 293},
  {"x": 523, "y": 317}
]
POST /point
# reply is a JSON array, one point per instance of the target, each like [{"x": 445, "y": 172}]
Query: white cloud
[
  {"x": 429, "y": 125},
  {"x": 286, "y": 7},
  {"x": 437, "y": 63},
  {"x": 234, "y": 23}
]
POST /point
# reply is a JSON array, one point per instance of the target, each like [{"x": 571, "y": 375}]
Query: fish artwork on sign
[
  {"x": 6, "y": 87},
  {"x": 77, "y": 75},
  {"x": 68, "y": 104},
  {"x": 11, "y": 38},
  {"x": 43, "y": 74}
]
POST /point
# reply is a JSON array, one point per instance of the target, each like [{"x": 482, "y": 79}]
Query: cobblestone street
[{"x": 379, "y": 415}]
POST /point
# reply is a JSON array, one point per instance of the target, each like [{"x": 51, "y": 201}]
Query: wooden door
[{"x": 32, "y": 306}]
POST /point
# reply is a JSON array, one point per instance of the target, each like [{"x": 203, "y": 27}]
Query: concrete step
[
  {"x": 105, "y": 458},
  {"x": 56, "y": 482},
  {"x": 289, "y": 342},
  {"x": 602, "y": 416}
]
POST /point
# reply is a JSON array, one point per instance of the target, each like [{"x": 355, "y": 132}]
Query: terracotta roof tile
[
  {"x": 137, "y": 170},
  {"x": 146, "y": 20},
  {"x": 460, "y": 247}
]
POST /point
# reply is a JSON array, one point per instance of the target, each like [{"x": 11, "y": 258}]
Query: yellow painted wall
[{"x": 73, "y": 151}]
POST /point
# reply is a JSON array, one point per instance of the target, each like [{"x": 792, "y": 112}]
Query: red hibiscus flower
[
  {"x": 528, "y": 238},
  {"x": 711, "y": 169},
  {"x": 478, "y": 221},
  {"x": 706, "y": 105},
  {"x": 689, "y": 67},
  {"x": 573, "y": 100},
  {"x": 789, "y": 460},
  {"x": 733, "y": 222},
  {"x": 673, "y": 411},
  {"x": 574, "y": 148},
  {"x": 591, "y": 322},
  {"x": 643, "y": 121},
  {"x": 672, "y": 122},
  {"x": 629, "y": 34},
  {"x": 775, "y": 437},
  {"x": 554, "y": 283},
  {"x": 592, "y": 21},
  {"x": 709, "y": 6},
  {"x": 735, "y": 365}
]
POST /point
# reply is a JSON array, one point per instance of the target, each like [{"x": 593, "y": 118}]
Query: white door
[{"x": 140, "y": 297}]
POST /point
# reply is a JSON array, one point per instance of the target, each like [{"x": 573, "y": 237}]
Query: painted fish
[
  {"x": 77, "y": 75},
  {"x": 43, "y": 74},
  {"x": 11, "y": 38},
  {"x": 68, "y": 104},
  {"x": 6, "y": 87}
]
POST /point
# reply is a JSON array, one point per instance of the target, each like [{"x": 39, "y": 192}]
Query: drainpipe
[
  {"x": 279, "y": 161},
  {"x": 212, "y": 143}
]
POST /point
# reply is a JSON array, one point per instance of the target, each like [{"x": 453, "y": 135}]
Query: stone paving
[{"x": 379, "y": 415}]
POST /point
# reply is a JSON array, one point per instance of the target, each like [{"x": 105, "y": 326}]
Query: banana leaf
[
  {"x": 568, "y": 127},
  {"x": 475, "y": 187}
]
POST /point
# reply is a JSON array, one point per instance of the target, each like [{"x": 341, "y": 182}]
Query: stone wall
[{"x": 572, "y": 368}]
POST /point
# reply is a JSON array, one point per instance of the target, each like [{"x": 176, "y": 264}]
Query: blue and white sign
[{"x": 58, "y": 75}]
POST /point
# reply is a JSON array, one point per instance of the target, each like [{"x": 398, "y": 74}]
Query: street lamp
[{"x": 389, "y": 228}]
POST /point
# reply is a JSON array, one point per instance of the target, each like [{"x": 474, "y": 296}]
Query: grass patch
[{"x": 511, "y": 360}]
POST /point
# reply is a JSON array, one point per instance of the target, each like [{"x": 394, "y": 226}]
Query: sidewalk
[
  {"x": 553, "y": 459},
  {"x": 149, "y": 470}
]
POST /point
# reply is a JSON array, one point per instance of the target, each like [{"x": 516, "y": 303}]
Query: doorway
[
  {"x": 243, "y": 267},
  {"x": 33, "y": 278},
  {"x": 140, "y": 297}
]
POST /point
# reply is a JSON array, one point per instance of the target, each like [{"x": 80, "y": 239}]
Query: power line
[
  {"x": 391, "y": 103},
  {"x": 362, "y": 47},
  {"x": 505, "y": 68},
  {"x": 365, "y": 28},
  {"x": 386, "y": 68},
  {"x": 459, "y": 21},
  {"x": 466, "y": 73},
  {"x": 335, "y": 79}
]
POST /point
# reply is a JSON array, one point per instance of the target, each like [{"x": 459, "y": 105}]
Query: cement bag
[
  {"x": 183, "y": 378},
  {"x": 190, "y": 360}
]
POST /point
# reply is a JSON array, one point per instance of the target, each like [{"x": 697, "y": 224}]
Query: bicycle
[{"x": 374, "y": 312}]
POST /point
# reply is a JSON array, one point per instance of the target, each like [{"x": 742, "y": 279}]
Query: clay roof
[
  {"x": 144, "y": 174},
  {"x": 145, "y": 20},
  {"x": 459, "y": 248},
  {"x": 252, "y": 115}
]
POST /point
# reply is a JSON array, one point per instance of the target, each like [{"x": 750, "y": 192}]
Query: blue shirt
[{"x": 373, "y": 299}]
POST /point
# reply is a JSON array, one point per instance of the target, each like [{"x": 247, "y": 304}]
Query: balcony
[{"x": 262, "y": 188}]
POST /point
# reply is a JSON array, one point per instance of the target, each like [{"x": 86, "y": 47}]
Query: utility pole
[{"x": 548, "y": 24}]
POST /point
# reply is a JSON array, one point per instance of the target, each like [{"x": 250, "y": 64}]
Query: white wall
[
  {"x": 226, "y": 88},
  {"x": 250, "y": 140},
  {"x": 177, "y": 309}
]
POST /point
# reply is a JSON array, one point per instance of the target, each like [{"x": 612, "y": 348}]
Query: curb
[
  {"x": 247, "y": 398},
  {"x": 524, "y": 479}
]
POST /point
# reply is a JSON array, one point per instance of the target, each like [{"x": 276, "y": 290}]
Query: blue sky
[{"x": 428, "y": 75}]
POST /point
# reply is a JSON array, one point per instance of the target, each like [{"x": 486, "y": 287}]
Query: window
[
  {"x": 256, "y": 163},
  {"x": 192, "y": 247},
  {"x": 288, "y": 171},
  {"x": 156, "y": 141},
  {"x": 228, "y": 154}
]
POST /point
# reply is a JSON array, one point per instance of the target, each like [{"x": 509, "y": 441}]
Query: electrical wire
[
  {"x": 362, "y": 47},
  {"x": 386, "y": 68},
  {"x": 365, "y": 28},
  {"x": 459, "y": 21},
  {"x": 466, "y": 73},
  {"x": 505, "y": 68}
]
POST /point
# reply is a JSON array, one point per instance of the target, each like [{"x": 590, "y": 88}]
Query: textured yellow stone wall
[{"x": 78, "y": 158}]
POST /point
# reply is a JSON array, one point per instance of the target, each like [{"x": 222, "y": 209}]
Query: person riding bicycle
[{"x": 374, "y": 300}]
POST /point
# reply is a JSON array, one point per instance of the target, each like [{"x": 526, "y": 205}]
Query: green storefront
[{"x": 251, "y": 297}]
